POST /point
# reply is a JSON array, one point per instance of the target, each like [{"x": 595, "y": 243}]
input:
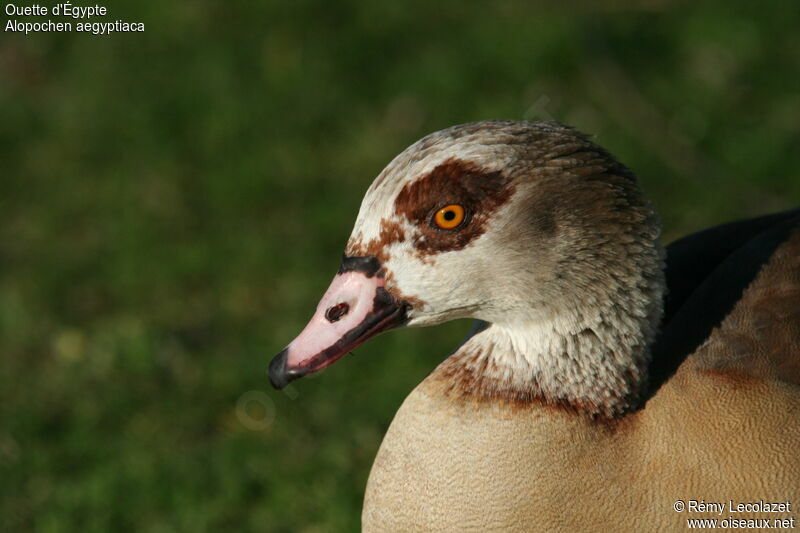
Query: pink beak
[{"x": 356, "y": 307}]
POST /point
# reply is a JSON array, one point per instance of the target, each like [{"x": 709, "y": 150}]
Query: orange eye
[{"x": 449, "y": 217}]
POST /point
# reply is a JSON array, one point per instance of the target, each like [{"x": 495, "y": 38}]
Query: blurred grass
[{"x": 173, "y": 204}]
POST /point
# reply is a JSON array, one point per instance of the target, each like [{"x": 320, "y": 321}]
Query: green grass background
[{"x": 174, "y": 202}]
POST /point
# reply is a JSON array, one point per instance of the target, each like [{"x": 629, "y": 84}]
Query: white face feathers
[
  {"x": 527, "y": 226},
  {"x": 557, "y": 251}
]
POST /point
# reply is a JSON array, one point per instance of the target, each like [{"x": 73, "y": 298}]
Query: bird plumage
[{"x": 599, "y": 387}]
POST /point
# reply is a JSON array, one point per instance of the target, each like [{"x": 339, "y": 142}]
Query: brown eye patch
[{"x": 454, "y": 182}]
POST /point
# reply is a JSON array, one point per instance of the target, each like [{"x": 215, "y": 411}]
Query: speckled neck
[
  {"x": 589, "y": 353},
  {"x": 599, "y": 369}
]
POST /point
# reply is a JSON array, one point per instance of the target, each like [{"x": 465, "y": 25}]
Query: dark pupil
[{"x": 449, "y": 215}]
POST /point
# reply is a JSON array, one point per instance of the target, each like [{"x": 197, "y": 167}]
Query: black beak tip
[
  {"x": 279, "y": 375},
  {"x": 277, "y": 370}
]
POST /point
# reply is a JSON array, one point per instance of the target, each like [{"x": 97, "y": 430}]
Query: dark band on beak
[
  {"x": 387, "y": 313},
  {"x": 367, "y": 264}
]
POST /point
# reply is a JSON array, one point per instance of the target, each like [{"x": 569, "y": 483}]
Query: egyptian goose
[{"x": 599, "y": 390}]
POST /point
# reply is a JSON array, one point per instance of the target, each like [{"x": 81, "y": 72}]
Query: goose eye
[{"x": 449, "y": 217}]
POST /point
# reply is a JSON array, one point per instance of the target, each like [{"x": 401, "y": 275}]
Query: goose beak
[{"x": 356, "y": 307}]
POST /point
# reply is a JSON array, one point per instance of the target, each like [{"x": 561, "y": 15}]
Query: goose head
[{"x": 528, "y": 227}]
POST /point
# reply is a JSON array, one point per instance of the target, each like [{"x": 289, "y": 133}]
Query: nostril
[{"x": 336, "y": 312}]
